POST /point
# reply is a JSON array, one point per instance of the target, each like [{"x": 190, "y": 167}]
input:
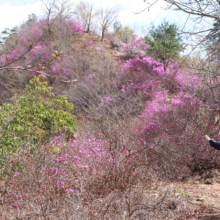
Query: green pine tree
[{"x": 165, "y": 42}]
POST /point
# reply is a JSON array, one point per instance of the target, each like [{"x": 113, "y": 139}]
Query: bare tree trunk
[
  {"x": 88, "y": 28},
  {"x": 103, "y": 34},
  {"x": 106, "y": 18}
]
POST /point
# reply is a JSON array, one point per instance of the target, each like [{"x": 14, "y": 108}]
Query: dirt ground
[{"x": 196, "y": 198}]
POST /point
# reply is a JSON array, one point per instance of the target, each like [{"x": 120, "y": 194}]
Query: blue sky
[{"x": 14, "y": 12}]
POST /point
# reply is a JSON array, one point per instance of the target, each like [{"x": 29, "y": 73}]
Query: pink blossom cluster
[
  {"x": 75, "y": 26},
  {"x": 145, "y": 64},
  {"x": 40, "y": 51},
  {"x": 34, "y": 34},
  {"x": 136, "y": 48},
  {"x": 90, "y": 43}
]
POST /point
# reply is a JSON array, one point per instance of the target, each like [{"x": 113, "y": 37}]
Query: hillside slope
[{"x": 140, "y": 132}]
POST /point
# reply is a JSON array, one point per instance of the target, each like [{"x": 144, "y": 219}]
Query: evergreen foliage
[{"x": 165, "y": 42}]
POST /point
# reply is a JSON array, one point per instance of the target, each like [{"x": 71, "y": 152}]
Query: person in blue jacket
[{"x": 213, "y": 143}]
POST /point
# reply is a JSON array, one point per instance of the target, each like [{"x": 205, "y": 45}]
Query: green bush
[{"x": 37, "y": 116}]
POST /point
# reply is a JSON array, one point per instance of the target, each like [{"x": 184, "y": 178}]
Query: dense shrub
[
  {"x": 37, "y": 116},
  {"x": 81, "y": 183},
  {"x": 173, "y": 133},
  {"x": 136, "y": 48},
  {"x": 35, "y": 51}
]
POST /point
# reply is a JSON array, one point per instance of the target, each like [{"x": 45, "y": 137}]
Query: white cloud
[
  {"x": 11, "y": 16},
  {"x": 15, "y": 15},
  {"x": 128, "y": 8}
]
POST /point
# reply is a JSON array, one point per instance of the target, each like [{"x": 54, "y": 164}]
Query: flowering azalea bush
[
  {"x": 136, "y": 48},
  {"x": 177, "y": 128},
  {"x": 137, "y": 122},
  {"x": 77, "y": 182},
  {"x": 37, "y": 52}
]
